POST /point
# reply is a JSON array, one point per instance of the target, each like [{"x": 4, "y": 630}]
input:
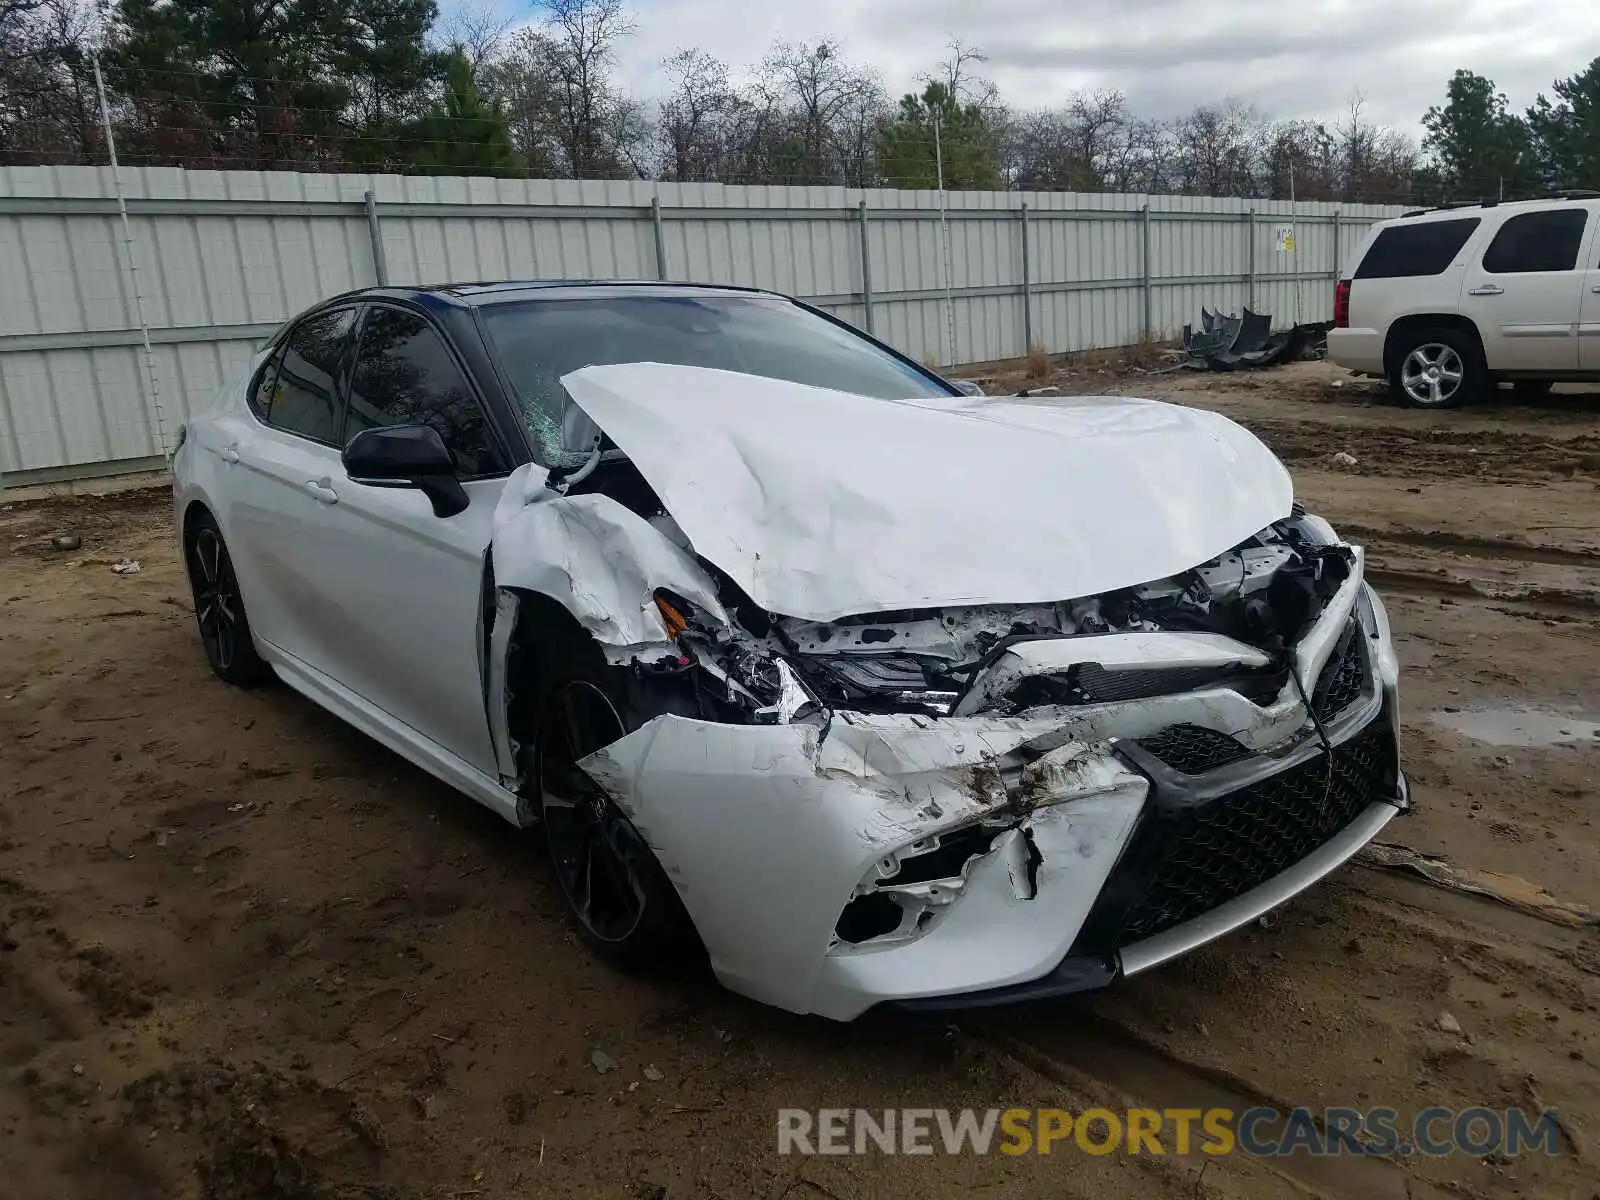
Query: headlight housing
[{"x": 746, "y": 672}]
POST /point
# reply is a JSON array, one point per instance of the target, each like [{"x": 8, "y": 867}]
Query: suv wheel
[{"x": 1439, "y": 368}]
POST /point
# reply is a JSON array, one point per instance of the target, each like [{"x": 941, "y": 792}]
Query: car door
[
  {"x": 1589, "y": 304},
  {"x": 279, "y": 460},
  {"x": 404, "y": 589},
  {"x": 1523, "y": 292}
]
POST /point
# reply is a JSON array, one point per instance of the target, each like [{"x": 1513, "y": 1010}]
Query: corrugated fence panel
[{"x": 224, "y": 257}]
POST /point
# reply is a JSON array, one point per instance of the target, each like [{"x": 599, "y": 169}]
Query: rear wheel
[
  {"x": 1439, "y": 368},
  {"x": 219, "y": 608},
  {"x": 621, "y": 900}
]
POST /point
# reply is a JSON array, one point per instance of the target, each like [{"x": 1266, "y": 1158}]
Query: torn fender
[{"x": 597, "y": 559}]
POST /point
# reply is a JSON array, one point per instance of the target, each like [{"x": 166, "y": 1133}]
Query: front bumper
[{"x": 1118, "y": 845}]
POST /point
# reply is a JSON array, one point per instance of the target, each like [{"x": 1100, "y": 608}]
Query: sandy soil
[{"x": 244, "y": 952}]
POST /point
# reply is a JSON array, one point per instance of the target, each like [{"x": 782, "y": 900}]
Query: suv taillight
[{"x": 1341, "y": 304}]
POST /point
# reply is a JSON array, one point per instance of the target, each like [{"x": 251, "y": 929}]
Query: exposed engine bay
[{"x": 1262, "y": 594}]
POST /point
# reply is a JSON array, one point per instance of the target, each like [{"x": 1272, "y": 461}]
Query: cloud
[{"x": 1301, "y": 60}]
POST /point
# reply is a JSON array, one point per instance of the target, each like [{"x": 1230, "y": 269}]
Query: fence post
[
  {"x": 1027, "y": 284},
  {"x": 661, "y": 241},
  {"x": 1250, "y": 259},
  {"x": 866, "y": 265},
  {"x": 1338, "y": 250},
  {"x": 1144, "y": 265},
  {"x": 380, "y": 264}
]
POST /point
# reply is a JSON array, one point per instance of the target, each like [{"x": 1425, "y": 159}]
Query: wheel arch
[
  {"x": 531, "y": 635},
  {"x": 1404, "y": 329},
  {"x": 193, "y": 510},
  {"x": 535, "y": 641}
]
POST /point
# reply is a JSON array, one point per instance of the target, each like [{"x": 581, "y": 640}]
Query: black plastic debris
[{"x": 1225, "y": 342}]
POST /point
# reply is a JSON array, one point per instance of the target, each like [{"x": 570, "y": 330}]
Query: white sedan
[{"x": 871, "y": 690}]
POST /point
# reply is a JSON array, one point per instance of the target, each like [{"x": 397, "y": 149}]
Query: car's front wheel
[
  {"x": 1439, "y": 368},
  {"x": 616, "y": 892},
  {"x": 219, "y": 606}
]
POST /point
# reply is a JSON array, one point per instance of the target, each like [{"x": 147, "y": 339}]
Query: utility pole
[
  {"x": 133, "y": 261},
  {"x": 948, "y": 351}
]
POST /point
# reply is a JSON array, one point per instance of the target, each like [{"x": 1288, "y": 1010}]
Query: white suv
[{"x": 1448, "y": 302}]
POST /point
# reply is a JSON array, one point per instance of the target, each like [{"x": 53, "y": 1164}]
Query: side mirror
[
  {"x": 967, "y": 387},
  {"x": 407, "y": 456}
]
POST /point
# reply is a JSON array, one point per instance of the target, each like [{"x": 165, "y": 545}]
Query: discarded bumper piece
[
  {"x": 1047, "y": 735},
  {"x": 1229, "y": 343}
]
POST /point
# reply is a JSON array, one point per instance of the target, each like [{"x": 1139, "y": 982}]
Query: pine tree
[
  {"x": 465, "y": 134},
  {"x": 908, "y": 155},
  {"x": 271, "y": 83},
  {"x": 1567, "y": 132},
  {"x": 1479, "y": 147}
]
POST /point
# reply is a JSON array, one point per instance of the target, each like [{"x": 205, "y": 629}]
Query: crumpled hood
[{"x": 822, "y": 504}]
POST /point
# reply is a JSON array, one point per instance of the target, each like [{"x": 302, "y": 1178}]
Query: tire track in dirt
[
  {"x": 1470, "y": 544},
  {"x": 1519, "y": 600},
  {"x": 1098, "y": 1050},
  {"x": 1436, "y": 453}
]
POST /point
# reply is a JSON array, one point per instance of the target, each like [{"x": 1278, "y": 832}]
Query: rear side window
[
  {"x": 1537, "y": 241},
  {"x": 1407, "y": 251},
  {"x": 405, "y": 375},
  {"x": 304, "y": 394}
]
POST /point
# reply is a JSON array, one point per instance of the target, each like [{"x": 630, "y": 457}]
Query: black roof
[{"x": 472, "y": 294}]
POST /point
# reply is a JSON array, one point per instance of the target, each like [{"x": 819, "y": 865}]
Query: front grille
[
  {"x": 1186, "y": 860},
  {"x": 1343, "y": 678},
  {"x": 1193, "y": 749}
]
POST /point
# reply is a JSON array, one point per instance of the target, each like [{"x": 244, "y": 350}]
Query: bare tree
[
  {"x": 580, "y": 42},
  {"x": 478, "y": 32},
  {"x": 1373, "y": 162},
  {"x": 1217, "y": 147},
  {"x": 694, "y": 116},
  {"x": 818, "y": 87},
  {"x": 960, "y": 80},
  {"x": 48, "y": 108}
]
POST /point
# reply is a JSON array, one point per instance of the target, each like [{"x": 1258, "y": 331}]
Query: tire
[
  {"x": 1532, "y": 389},
  {"x": 1439, "y": 368},
  {"x": 614, "y": 889},
  {"x": 219, "y": 607}
]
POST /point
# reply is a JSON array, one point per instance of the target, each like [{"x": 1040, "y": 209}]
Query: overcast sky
[{"x": 1290, "y": 59}]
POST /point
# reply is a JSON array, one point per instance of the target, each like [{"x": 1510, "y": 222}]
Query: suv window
[
  {"x": 405, "y": 375},
  {"x": 298, "y": 390},
  {"x": 1407, "y": 251},
  {"x": 1548, "y": 240}
]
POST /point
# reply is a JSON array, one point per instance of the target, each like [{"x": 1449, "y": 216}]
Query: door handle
[
  {"x": 1596, "y": 289},
  {"x": 1487, "y": 289},
  {"x": 323, "y": 493},
  {"x": 230, "y": 454}
]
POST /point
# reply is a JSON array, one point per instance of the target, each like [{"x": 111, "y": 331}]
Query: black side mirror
[{"x": 407, "y": 456}]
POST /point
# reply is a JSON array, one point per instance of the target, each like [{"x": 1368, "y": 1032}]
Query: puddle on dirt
[{"x": 1521, "y": 725}]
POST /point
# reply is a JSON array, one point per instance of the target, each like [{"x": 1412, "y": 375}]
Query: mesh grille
[
  {"x": 1225, "y": 847},
  {"x": 1342, "y": 679},
  {"x": 1193, "y": 749}
]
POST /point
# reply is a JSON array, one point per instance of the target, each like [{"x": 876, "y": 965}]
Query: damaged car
[{"x": 872, "y": 690}]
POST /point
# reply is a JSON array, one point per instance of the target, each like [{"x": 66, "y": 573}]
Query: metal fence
[{"x": 214, "y": 261}]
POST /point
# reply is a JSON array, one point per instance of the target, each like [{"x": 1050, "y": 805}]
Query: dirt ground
[{"x": 246, "y": 953}]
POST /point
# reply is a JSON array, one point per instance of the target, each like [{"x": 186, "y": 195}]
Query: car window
[
  {"x": 405, "y": 375},
  {"x": 261, "y": 394},
  {"x": 304, "y": 395},
  {"x": 539, "y": 341},
  {"x": 1548, "y": 240},
  {"x": 1407, "y": 251}
]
